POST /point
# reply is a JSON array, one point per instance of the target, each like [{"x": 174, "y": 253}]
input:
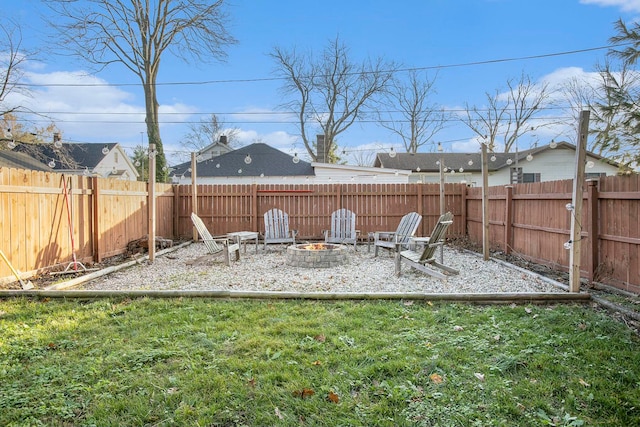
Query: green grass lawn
[{"x": 198, "y": 362}]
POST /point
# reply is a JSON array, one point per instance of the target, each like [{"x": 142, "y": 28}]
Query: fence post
[
  {"x": 97, "y": 256},
  {"x": 254, "y": 208},
  {"x": 194, "y": 194},
  {"x": 176, "y": 210},
  {"x": 508, "y": 220},
  {"x": 593, "y": 230},
  {"x": 151, "y": 202},
  {"x": 463, "y": 203}
]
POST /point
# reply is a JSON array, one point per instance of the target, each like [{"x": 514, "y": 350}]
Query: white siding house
[{"x": 534, "y": 165}]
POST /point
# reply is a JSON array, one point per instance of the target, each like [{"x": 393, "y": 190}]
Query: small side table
[
  {"x": 421, "y": 241},
  {"x": 242, "y": 236}
]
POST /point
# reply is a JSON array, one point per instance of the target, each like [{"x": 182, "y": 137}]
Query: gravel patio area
[{"x": 190, "y": 268}]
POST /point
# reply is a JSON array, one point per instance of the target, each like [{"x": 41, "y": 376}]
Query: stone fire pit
[{"x": 316, "y": 255}]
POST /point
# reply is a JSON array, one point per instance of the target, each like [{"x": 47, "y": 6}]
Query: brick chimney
[
  {"x": 223, "y": 139},
  {"x": 321, "y": 151}
]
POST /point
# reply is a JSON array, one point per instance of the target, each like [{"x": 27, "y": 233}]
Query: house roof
[
  {"x": 18, "y": 160},
  {"x": 69, "y": 156},
  {"x": 265, "y": 160},
  {"x": 470, "y": 162}
]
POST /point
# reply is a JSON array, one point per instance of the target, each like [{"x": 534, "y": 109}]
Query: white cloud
[
  {"x": 87, "y": 109},
  {"x": 472, "y": 145},
  {"x": 624, "y": 5},
  {"x": 278, "y": 139}
]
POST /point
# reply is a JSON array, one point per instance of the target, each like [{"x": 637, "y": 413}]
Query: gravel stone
[{"x": 267, "y": 270}]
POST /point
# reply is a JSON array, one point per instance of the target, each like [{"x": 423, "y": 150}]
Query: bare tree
[
  {"x": 508, "y": 116},
  {"x": 136, "y": 34},
  {"x": 12, "y": 58},
  {"x": 419, "y": 120},
  {"x": 330, "y": 91},
  {"x": 363, "y": 157},
  {"x": 579, "y": 95},
  {"x": 206, "y": 132}
]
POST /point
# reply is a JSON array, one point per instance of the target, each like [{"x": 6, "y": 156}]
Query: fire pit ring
[{"x": 316, "y": 255}]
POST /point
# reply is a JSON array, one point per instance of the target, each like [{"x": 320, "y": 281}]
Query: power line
[
  {"x": 265, "y": 79},
  {"x": 259, "y": 113}
]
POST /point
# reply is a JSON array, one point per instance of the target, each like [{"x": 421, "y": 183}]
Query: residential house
[
  {"x": 16, "y": 160},
  {"x": 263, "y": 164},
  {"x": 216, "y": 149},
  {"x": 534, "y": 165},
  {"x": 105, "y": 160}
]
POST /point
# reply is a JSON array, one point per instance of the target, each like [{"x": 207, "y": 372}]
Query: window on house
[
  {"x": 530, "y": 177},
  {"x": 518, "y": 177},
  {"x": 115, "y": 157},
  {"x": 594, "y": 175}
]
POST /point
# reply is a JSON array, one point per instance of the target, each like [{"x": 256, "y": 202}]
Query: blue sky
[{"x": 415, "y": 33}]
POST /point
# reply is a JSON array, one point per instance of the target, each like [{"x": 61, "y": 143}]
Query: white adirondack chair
[
  {"x": 425, "y": 258},
  {"x": 276, "y": 228},
  {"x": 216, "y": 245},
  {"x": 391, "y": 239},
  {"x": 343, "y": 228}
]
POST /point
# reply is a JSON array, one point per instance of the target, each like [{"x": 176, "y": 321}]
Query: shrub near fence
[{"x": 529, "y": 220}]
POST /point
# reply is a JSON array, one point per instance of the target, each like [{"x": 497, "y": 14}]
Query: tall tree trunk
[{"x": 153, "y": 130}]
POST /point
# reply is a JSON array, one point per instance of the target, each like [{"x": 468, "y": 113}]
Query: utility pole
[{"x": 576, "y": 204}]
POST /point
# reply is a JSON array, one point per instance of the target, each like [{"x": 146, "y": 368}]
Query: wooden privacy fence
[
  {"x": 46, "y": 217},
  {"x": 528, "y": 220},
  {"x": 532, "y": 221},
  {"x": 229, "y": 208}
]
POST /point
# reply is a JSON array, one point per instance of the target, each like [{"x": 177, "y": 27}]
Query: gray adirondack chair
[
  {"x": 276, "y": 228},
  {"x": 219, "y": 245},
  {"x": 425, "y": 258},
  {"x": 343, "y": 228},
  {"x": 391, "y": 239}
]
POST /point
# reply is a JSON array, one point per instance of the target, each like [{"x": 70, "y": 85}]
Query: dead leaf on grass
[
  {"x": 278, "y": 413},
  {"x": 479, "y": 376},
  {"x": 320, "y": 338},
  {"x": 333, "y": 397},
  {"x": 407, "y": 303},
  {"x": 317, "y": 363},
  {"x": 458, "y": 328},
  {"x": 584, "y": 383},
  {"x": 436, "y": 378},
  {"x": 305, "y": 392}
]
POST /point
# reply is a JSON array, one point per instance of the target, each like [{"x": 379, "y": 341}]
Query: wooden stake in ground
[
  {"x": 576, "y": 210},
  {"x": 194, "y": 192},
  {"x": 152, "y": 201},
  {"x": 485, "y": 203}
]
